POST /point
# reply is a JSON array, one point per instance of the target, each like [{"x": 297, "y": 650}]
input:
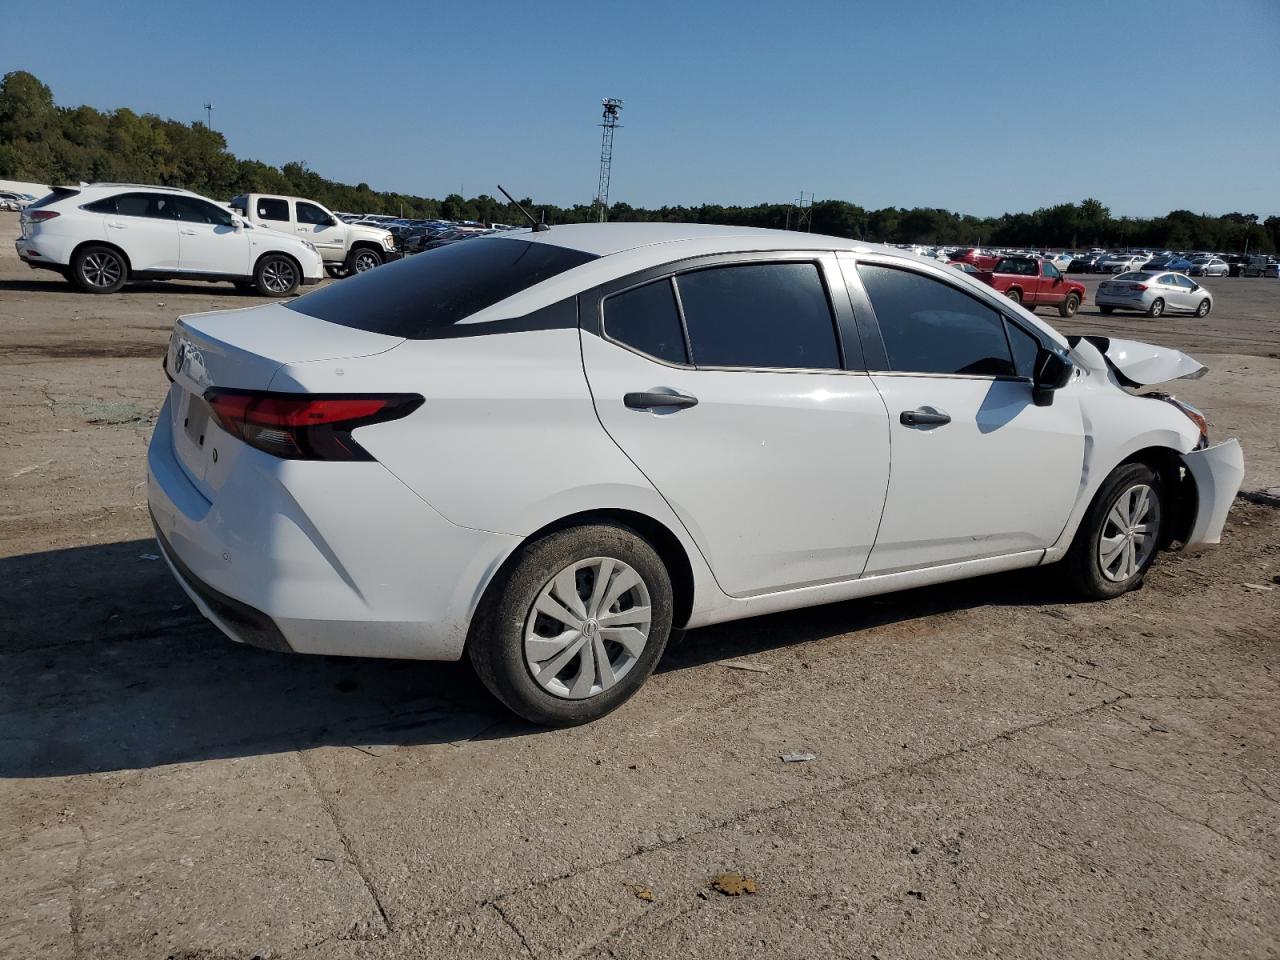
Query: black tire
[
  {"x": 1157, "y": 307},
  {"x": 496, "y": 642},
  {"x": 337, "y": 270},
  {"x": 1083, "y": 564},
  {"x": 277, "y": 275},
  {"x": 1204, "y": 307},
  {"x": 1014, "y": 295},
  {"x": 99, "y": 269},
  {"x": 1107, "y": 310},
  {"x": 362, "y": 259},
  {"x": 1069, "y": 306}
]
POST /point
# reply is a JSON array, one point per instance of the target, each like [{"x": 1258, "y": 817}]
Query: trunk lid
[{"x": 242, "y": 349}]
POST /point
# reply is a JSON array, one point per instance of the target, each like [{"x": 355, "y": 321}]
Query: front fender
[{"x": 1218, "y": 472}]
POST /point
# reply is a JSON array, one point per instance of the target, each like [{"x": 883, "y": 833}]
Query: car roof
[{"x": 605, "y": 239}]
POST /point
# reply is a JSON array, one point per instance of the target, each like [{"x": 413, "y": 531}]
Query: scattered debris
[
  {"x": 641, "y": 891},
  {"x": 798, "y": 757},
  {"x": 733, "y": 884},
  {"x": 1259, "y": 586},
  {"x": 148, "y": 556},
  {"x": 918, "y": 894},
  {"x": 1159, "y": 727},
  {"x": 34, "y": 467},
  {"x": 747, "y": 665},
  {"x": 983, "y": 915}
]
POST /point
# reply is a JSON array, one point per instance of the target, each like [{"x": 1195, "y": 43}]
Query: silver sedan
[
  {"x": 1209, "y": 267},
  {"x": 1153, "y": 293}
]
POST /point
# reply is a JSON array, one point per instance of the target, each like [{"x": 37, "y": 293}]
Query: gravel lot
[{"x": 999, "y": 770}]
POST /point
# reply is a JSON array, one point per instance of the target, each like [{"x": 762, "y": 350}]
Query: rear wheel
[
  {"x": 276, "y": 276},
  {"x": 1156, "y": 308},
  {"x": 1203, "y": 309},
  {"x": 1069, "y": 306},
  {"x": 337, "y": 270},
  {"x": 97, "y": 269},
  {"x": 1014, "y": 295},
  {"x": 575, "y": 627},
  {"x": 1119, "y": 535}
]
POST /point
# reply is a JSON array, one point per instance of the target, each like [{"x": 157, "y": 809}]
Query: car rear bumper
[
  {"x": 320, "y": 557},
  {"x": 1121, "y": 302},
  {"x": 1218, "y": 472},
  {"x": 35, "y": 258}
]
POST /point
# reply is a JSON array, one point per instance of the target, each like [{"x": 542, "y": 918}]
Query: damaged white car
[{"x": 547, "y": 450}]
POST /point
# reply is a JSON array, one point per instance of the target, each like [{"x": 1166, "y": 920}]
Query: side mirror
[
  {"x": 333, "y": 221},
  {"x": 237, "y": 224},
  {"x": 1053, "y": 372}
]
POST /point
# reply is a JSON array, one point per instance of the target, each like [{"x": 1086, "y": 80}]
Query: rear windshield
[
  {"x": 438, "y": 288},
  {"x": 59, "y": 193}
]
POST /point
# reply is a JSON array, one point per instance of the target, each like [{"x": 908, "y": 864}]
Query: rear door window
[
  {"x": 931, "y": 327},
  {"x": 771, "y": 315},
  {"x": 647, "y": 319},
  {"x": 272, "y": 208}
]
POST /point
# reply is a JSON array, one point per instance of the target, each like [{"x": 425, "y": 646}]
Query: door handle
[
  {"x": 188, "y": 233},
  {"x": 924, "y": 418},
  {"x": 116, "y": 226},
  {"x": 657, "y": 398}
]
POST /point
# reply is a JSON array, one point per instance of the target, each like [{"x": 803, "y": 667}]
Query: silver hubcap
[
  {"x": 365, "y": 261},
  {"x": 278, "y": 276},
  {"x": 1129, "y": 533},
  {"x": 102, "y": 269},
  {"x": 587, "y": 629},
  {"x": 1157, "y": 308}
]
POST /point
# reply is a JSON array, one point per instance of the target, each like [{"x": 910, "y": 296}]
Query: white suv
[{"x": 103, "y": 235}]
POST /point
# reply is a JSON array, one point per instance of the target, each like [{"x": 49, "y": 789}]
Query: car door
[
  {"x": 1053, "y": 289},
  {"x": 729, "y": 387},
  {"x": 209, "y": 241},
  {"x": 1189, "y": 295},
  {"x": 274, "y": 213},
  {"x": 321, "y": 228},
  {"x": 978, "y": 469},
  {"x": 142, "y": 225}
]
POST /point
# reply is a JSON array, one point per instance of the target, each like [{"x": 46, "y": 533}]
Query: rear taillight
[
  {"x": 39, "y": 215},
  {"x": 1137, "y": 286},
  {"x": 305, "y": 426}
]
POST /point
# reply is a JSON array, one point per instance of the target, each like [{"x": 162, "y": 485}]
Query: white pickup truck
[{"x": 345, "y": 247}]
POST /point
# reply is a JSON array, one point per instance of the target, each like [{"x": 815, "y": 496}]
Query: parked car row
[{"x": 12, "y": 200}]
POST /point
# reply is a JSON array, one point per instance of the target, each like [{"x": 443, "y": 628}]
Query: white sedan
[{"x": 545, "y": 450}]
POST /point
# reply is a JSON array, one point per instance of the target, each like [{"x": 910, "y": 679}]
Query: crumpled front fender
[{"x": 1218, "y": 472}]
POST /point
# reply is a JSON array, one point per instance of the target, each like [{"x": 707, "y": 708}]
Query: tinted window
[
  {"x": 1025, "y": 350},
  {"x": 191, "y": 210},
  {"x": 310, "y": 213},
  {"x": 269, "y": 209},
  {"x": 1185, "y": 282},
  {"x": 105, "y": 205},
  {"x": 759, "y": 315},
  {"x": 1168, "y": 280},
  {"x": 931, "y": 327},
  {"x": 144, "y": 205},
  {"x": 647, "y": 320},
  {"x": 1051, "y": 271},
  {"x": 416, "y": 297}
]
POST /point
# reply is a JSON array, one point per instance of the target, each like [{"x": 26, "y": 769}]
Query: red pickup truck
[
  {"x": 1035, "y": 283},
  {"x": 979, "y": 259}
]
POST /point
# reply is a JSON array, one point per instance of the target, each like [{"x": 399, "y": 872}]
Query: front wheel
[
  {"x": 1203, "y": 309},
  {"x": 96, "y": 269},
  {"x": 1069, "y": 306},
  {"x": 1157, "y": 307},
  {"x": 1119, "y": 535},
  {"x": 575, "y": 627},
  {"x": 276, "y": 276},
  {"x": 363, "y": 259}
]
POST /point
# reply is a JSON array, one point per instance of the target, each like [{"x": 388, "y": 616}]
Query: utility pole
[
  {"x": 612, "y": 109},
  {"x": 803, "y": 210},
  {"x": 208, "y": 112}
]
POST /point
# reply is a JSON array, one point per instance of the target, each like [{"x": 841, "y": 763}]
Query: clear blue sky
[{"x": 982, "y": 107}]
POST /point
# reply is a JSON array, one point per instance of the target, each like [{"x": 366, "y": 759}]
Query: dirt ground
[{"x": 999, "y": 770}]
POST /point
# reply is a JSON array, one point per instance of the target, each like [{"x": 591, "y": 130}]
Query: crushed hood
[{"x": 1138, "y": 364}]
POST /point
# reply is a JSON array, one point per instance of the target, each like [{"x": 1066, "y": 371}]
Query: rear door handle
[
  {"x": 924, "y": 418},
  {"x": 649, "y": 399},
  {"x": 117, "y": 226}
]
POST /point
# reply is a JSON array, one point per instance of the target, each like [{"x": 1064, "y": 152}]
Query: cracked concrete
[{"x": 1000, "y": 771}]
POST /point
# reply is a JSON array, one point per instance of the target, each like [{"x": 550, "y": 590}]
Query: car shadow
[
  {"x": 106, "y": 665},
  {"x": 55, "y": 283}
]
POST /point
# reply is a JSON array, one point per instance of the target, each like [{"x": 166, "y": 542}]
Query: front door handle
[
  {"x": 189, "y": 233},
  {"x": 649, "y": 399},
  {"x": 924, "y": 418}
]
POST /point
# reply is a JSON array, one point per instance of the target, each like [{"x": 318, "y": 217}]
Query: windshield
[{"x": 415, "y": 297}]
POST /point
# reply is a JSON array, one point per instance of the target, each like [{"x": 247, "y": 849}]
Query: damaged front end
[{"x": 1212, "y": 475}]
